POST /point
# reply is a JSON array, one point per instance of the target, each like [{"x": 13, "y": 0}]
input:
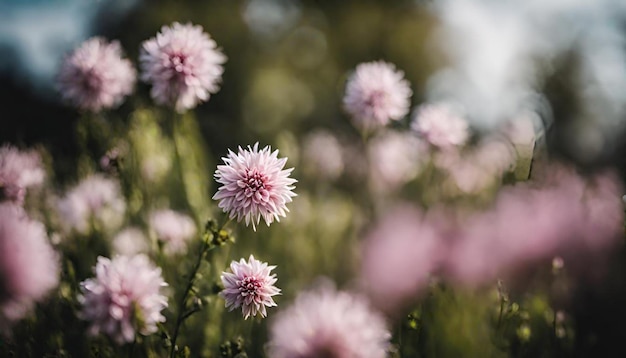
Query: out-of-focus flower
[
  {"x": 377, "y": 93},
  {"x": 95, "y": 76},
  {"x": 394, "y": 160},
  {"x": 123, "y": 298},
  {"x": 173, "y": 229},
  {"x": 328, "y": 323},
  {"x": 183, "y": 65},
  {"x": 249, "y": 286},
  {"x": 399, "y": 255},
  {"x": 29, "y": 266},
  {"x": 130, "y": 241},
  {"x": 322, "y": 155},
  {"x": 95, "y": 200},
  {"x": 440, "y": 125},
  {"x": 254, "y": 185},
  {"x": 566, "y": 217},
  {"x": 19, "y": 170}
]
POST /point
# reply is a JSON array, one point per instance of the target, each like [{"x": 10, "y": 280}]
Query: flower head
[
  {"x": 96, "y": 199},
  {"x": 376, "y": 93},
  {"x": 183, "y": 65},
  {"x": 130, "y": 241},
  {"x": 322, "y": 155},
  {"x": 249, "y": 286},
  {"x": 95, "y": 76},
  {"x": 29, "y": 266},
  {"x": 254, "y": 185},
  {"x": 440, "y": 125},
  {"x": 173, "y": 229},
  {"x": 328, "y": 323},
  {"x": 19, "y": 170},
  {"x": 123, "y": 298}
]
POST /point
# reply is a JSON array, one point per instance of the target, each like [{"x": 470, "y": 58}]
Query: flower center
[
  {"x": 249, "y": 286},
  {"x": 91, "y": 82},
  {"x": 255, "y": 186},
  {"x": 177, "y": 62},
  {"x": 375, "y": 99}
]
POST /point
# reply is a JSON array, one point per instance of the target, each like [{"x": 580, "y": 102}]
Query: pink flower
[
  {"x": 440, "y": 125},
  {"x": 95, "y": 76},
  {"x": 183, "y": 65},
  {"x": 123, "y": 298},
  {"x": 19, "y": 170},
  {"x": 328, "y": 323},
  {"x": 249, "y": 286},
  {"x": 376, "y": 93},
  {"x": 95, "y": 200},
  {"x": 254, "y": 185},
  {"x": 399, "y": 255},
  {"x": 173, "y": 229},
  {"x": 322, "y": 155},
  {"x": 29, "y": 267},
  {"x": 130, "y": 241}
]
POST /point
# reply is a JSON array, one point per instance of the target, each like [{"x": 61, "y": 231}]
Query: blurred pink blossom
[
  {"x": 95, "y": 76},
  {"x": 440, "y": 125},
  {"x": 29, "y": 267},
  {"x": 254, "y": 185},
  {"x": 130, "y": 241},
  {"x": 377, "y": 93},
  {"x": 95, "y": 200},
  {"x": 183, "y": 65},
  {"x": 399, "y": 254},
  {"x": 322, "y": 155},
  {"x": 173, "y": 229},
  {"x": 328, "y": 323},
  {"x": 249, "y": 286},
  {"x": 19, "y": 170},
  {"x": 123, "y": 298}
]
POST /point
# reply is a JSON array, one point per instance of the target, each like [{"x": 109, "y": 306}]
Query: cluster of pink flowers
[
  {"x": 124, "y": 298},
  {"x": 183, "y": 65},
  {"x": 376, "y": 93},
  {"x": 95, "y": 76},
  {"x": 29, "y": 267},
  {"x": 250, "y": 286},
  {"x": 173, "y": 229},
  {"x": 328, "y": 323},
  {"x": 19, "y": 170},
  {"x": 254, "y": 185}
]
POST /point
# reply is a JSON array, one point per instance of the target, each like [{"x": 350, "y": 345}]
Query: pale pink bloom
[
  {"x": 377, "y": 93},
  {"x": 399, "y": 255},
  {"x": 183, "y": 65},
  {"x": 440, "y": 125},
  {"x": 565, "y": 217},
  {"x": 249, "y": 286},
  {"x": 322, "y": 155},
  {"x": 395, "y": 158},
  {"x": 95, "y": 76},
  {"x": 29, "y": 267},
  {"x": 19, "y": 170},
  {"x": 254, "y": 185},
  {"x": 130, "y": 241},
  {"x": 328, "y": 323},
  {"x": 123, "y": 298},
  {"x": 173, "y": 229},
  {"x": 95, "y": 200}
]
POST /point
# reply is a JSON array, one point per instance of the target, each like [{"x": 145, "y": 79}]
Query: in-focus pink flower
[
  {"x": 440, "y": 125},
  {"x": 173, "y": 229},
  {"x": 29, "y": 266},
  {"x": 19, "y": 170},
  {"x": 377, "y": 93},
  {"x": 95, "y": 76},
  {"x": 399, "y": 254},
  {"x": 183, "y": 65},
  {"x": 95, "y": 200},
  {"x": 254, "y": 185},
  {"x": 328, "y": 323},
  {"x": 123, "y": 298},
  {"x": 249, "y": 286}
]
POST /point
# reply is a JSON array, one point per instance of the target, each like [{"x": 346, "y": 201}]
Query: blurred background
[{"x": 562, "y": 61}]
